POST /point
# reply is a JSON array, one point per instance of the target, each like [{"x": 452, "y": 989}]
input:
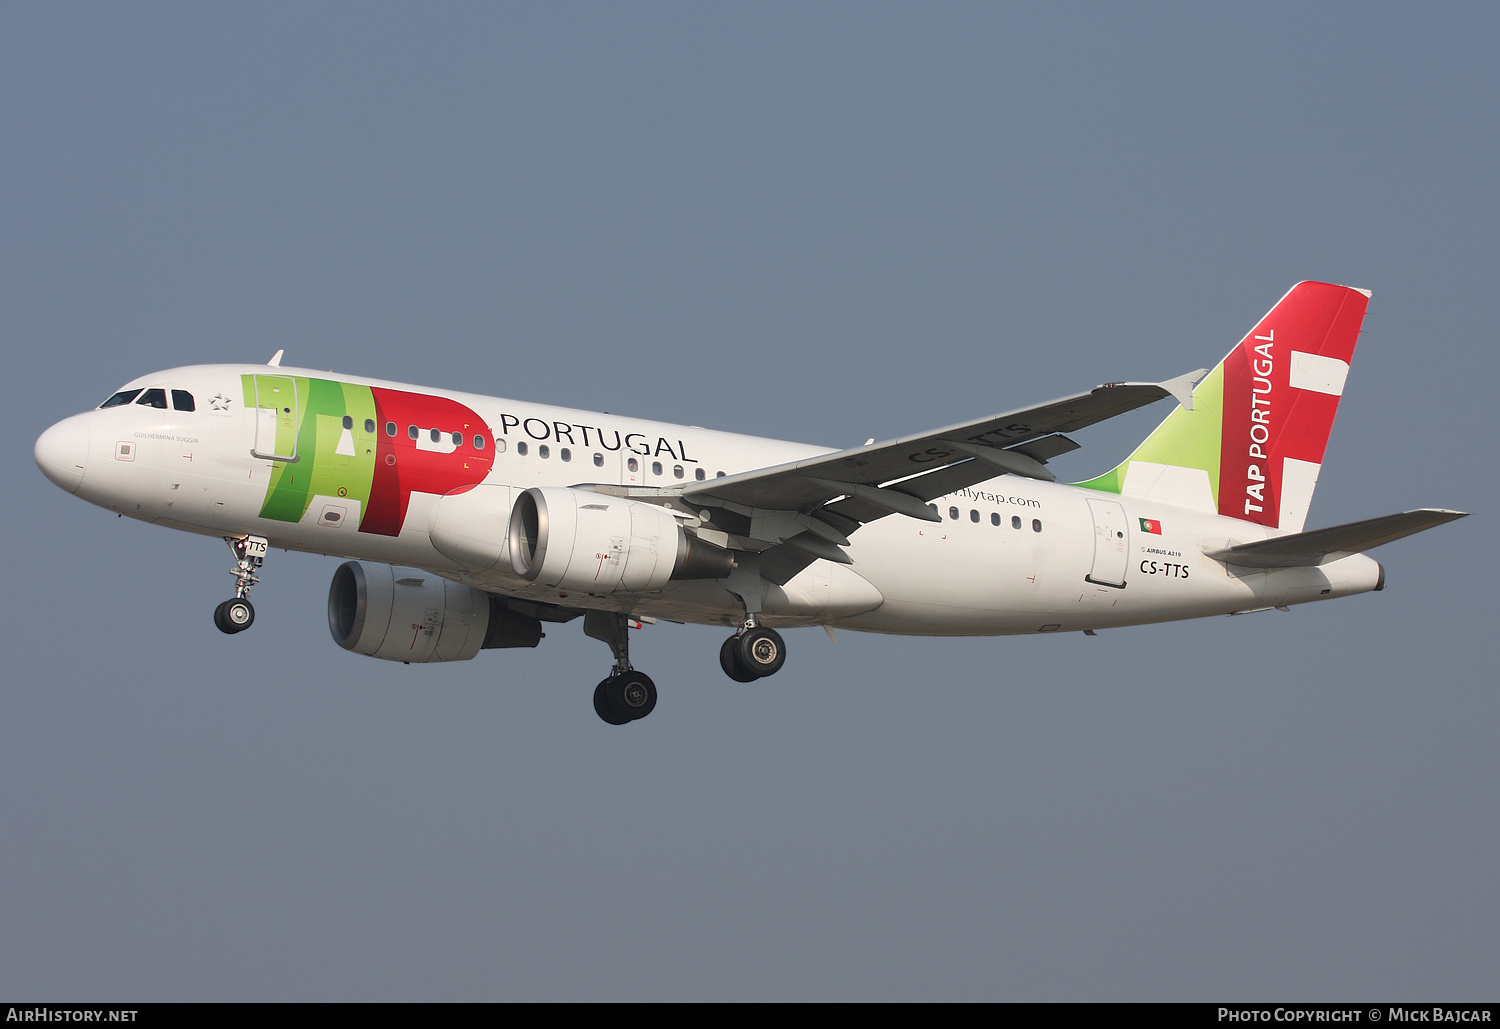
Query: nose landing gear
[{"x": 237, "y": 615}]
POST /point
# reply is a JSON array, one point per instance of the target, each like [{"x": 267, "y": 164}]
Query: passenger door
[
  {"x": 276, "y": 412},
  {"x": 1111, "y": 543}
]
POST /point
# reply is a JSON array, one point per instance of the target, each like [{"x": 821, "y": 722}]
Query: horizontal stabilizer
[{"x": 1321, "y": 546}]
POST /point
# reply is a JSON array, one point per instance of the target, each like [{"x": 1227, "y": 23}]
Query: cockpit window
[
  {"x": 121, "y": 398},
  {"x": 154, "y": 398},
  {"x": 182, "y": 400}
]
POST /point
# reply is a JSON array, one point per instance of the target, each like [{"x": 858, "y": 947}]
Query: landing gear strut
[
  {"x": 237, "y": 615},
  {"x": 753, "y": 652},
  {"x": 627, "y": 694}
]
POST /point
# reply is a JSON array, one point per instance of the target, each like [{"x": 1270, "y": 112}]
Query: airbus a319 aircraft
[{"x": 472, "y": 521}]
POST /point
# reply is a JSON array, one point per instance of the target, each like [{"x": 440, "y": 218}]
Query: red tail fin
[{"x": 1281, "y": 391}]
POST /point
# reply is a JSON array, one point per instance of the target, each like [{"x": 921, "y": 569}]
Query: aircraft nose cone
[{"x": 62, "y": 451}]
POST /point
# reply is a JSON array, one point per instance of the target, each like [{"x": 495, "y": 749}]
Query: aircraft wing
[
  {"x": 1321, "y": 546},
  {"x": 900, "y": 476}
]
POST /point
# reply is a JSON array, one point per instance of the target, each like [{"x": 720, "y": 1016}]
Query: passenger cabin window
[
  {"x": 458, "y": 439},
  {"x": 1015, "y": 521},
  {"x": 995, "y": 518},
  {"x": 121, "y": 398},
  {"x": 655, "y": 467},
  {"x": 370, "y": 425},
  {"x": 390, "y": 428},
  {"x": 633, "y": 465},
  {"x": 699, "y": 474},
  {"x": 1036, "y": 525},
  {"x": 348, "y": 422},
  {"x": 677, "y": 471},
  {"x": 544, "y": 451},
  {"x": 953, "y": 513},
  {"x": 182, "y": 400},
  {"x": 565, "y": 454},
  {"x": 156, "y": 398},
  {"x": 411, "y": 431},
  {"x": 437, "y": 437},
  {"x": 598, "y": 460},
  {"x": 479, "y": 442},
  {"x": 521, "y": 448},
  {"x": 974, "y": 516}
]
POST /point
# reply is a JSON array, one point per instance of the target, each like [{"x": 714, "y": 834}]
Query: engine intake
[
  {"x": 577, "y": 539},
  {"x": 406, "y": 614}
]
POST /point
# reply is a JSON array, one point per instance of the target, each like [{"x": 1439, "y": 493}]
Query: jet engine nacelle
[
  {"x": 406, "y": 614},
  {"x": 586, "y": 541}
]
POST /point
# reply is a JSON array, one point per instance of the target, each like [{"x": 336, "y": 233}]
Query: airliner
[{"x": 470, "y": 522}]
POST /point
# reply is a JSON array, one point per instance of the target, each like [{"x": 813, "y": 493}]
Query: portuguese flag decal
[{"x": 1151, "y": 525}]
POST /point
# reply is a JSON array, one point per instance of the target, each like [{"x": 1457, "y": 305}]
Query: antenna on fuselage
[{"x": 275, "y": 361}]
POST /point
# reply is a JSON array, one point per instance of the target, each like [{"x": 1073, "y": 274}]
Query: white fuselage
[{"x": 1021, "y": 555}]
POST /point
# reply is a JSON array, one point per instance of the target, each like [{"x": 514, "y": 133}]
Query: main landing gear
[
  {"x": 752, "y": 653},
  {"x": 624, "y": 697},
  {"x": 236, "y": 615},
  {"x": 627, "y": 694}
]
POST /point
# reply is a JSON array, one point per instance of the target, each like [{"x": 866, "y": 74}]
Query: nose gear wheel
[{"x": 234, "y": 616}]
